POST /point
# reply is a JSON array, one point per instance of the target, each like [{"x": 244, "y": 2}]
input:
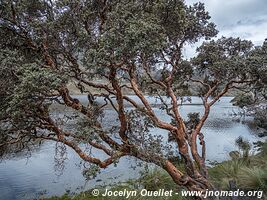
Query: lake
[{"x": 27, "y": 177}]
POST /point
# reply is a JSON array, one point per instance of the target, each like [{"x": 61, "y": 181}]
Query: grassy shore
[{"x": 247, "y": 172}]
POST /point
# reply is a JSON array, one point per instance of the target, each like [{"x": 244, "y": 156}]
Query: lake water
[{"x": 27, "y": 178}]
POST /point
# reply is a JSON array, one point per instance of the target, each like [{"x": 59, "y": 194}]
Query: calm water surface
[{"x": 26, "y": 178}]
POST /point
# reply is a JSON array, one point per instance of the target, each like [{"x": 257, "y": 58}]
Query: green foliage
[
  {"x": 260, "y": 118},
  {"x": 25, "y": 95},
  {"x": 135, "y": 31},
  {"x": 91, "y": 172},
  {"x": 256, "y": 60},
  {"x": 193, "y": 119},
  {"x": 45, "y": 44},
  {"x": 243, "y": 100},
  {"x": 220, "y": 62},
  {"x": 95, "y": 34},
  {"x": 34, "y": 84},
  {"x": 28, "y": 86},
  {"x": 223, "y": 59}
]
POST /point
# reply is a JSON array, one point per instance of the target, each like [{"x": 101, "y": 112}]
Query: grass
[
  {"x": 156, "y": 179},
  {"x": 152, "y": 180},
  {"x": 254, "y": 178},
  {"x": 221, "y": 174},
  {"x": 248, "y": 172}
]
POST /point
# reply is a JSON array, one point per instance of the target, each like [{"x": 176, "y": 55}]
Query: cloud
[{"x": 246, "y": 19}]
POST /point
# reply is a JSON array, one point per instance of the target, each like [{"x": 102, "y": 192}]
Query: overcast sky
[{"x": 246, "y": 19}]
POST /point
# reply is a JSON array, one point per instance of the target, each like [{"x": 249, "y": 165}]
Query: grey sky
[{"x": 246, "y": 19}]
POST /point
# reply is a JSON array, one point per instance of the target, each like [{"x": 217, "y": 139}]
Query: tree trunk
[{"x": 191, "y": 182}]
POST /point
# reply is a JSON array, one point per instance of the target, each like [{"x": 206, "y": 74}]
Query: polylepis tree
[{"x": 109, "y": 49}]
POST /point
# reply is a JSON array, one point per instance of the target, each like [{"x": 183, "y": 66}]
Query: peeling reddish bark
[
  {"x": 119, "y": 97},
  {"x": 196, "y": 175}
]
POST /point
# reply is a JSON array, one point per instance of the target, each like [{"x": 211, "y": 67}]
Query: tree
[
  {"x": 47, "y": 44},
  {"x": 254, "y": 96}
]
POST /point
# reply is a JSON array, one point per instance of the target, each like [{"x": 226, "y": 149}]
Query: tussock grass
[
  {"x": 249, "y": 173},
  {"x": 254, "y": 178}
]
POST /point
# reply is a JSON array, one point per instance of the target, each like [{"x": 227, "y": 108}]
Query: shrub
[
  {"x": 243, "y": 100},
  {"x": 260, "y": 118}
]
